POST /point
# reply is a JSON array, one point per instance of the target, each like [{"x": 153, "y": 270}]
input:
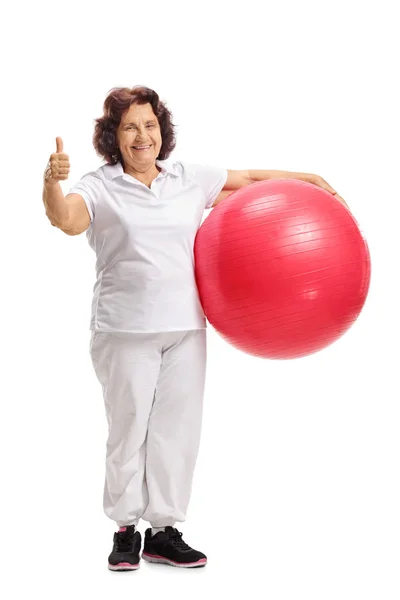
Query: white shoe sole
[{"x": 123, "y": 567}]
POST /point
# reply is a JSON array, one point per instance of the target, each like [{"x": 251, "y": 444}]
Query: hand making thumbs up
[{"x": 58, "y": 166}]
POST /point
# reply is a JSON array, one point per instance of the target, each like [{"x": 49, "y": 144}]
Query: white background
[{"x": 296, "y": 493}]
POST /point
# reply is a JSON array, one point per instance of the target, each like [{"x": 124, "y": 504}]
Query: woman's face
[{"x": 139, "y": 137}]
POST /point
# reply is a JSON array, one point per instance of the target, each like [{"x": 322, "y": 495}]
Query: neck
[
  {"x": 146, "y": 176},
  {"x": 143, "y": 172}
]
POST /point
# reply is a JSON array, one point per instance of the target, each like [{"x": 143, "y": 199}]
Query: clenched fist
[{"x": 58, "y": 166}]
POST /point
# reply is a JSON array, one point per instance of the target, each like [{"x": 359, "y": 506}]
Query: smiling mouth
[{"x": 141, "y": 147}]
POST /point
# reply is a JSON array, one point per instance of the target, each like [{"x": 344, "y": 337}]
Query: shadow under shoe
[
  {"x": 125, "y": 555},
  {"x": 168, "y": 547}
]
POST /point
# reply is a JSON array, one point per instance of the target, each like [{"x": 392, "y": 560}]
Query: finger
[
  {"x": 60, "y": 159},
  {"x": 60, "y": 145},
  {"x": 325, "y": 185},
  {"x": 330, "y": 189}
]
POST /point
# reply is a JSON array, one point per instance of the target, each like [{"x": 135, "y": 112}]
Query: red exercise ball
[{"x": 282, "y": 269}]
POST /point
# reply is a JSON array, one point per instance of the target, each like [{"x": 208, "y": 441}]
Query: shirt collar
[{"x": 113, "y": 171}]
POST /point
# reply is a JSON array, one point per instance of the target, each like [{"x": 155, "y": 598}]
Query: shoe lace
[
  {"x": 125, "y": 540},
  {"x": 177, "y": 541}
]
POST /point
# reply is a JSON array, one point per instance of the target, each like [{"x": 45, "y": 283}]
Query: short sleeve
[
  {"x": 210, "y": 179},
  {"x": 89, "y": 187}
]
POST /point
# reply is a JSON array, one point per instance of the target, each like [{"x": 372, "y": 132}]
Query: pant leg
[
  {"x": 127, "y": 365},
  {"x": 174, "y": 429}
]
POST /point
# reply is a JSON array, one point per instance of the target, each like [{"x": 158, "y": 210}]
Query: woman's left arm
[{"x": 238, "y": 179}]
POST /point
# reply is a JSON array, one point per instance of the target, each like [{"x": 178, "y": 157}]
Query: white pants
[{"x": 153, "y": 387}]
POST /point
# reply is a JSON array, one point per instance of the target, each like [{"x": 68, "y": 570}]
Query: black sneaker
[
  {"x": 125, "y": 555},
  {"x": 169, "y": 548}
]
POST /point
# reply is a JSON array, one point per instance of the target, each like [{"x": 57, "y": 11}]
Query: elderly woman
[{"x": 141, "y": 213}]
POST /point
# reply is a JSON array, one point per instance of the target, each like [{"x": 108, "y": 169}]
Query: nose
[{"x": 141, "y": 134}]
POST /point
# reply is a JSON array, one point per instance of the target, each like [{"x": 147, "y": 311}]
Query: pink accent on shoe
[
  {"x": 121, "y": 529},
  {"x": 152, "y": 555},
  {"x": 122, "y": 566}
]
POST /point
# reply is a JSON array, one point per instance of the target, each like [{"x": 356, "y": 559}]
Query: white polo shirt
[{"x": 143, "y": 239}]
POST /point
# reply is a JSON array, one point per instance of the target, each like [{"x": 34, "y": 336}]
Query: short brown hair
[{"x": 116, "y": 104}]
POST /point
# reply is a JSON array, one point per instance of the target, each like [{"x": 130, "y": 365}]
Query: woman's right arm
[{"x": 67, "y": 213}]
